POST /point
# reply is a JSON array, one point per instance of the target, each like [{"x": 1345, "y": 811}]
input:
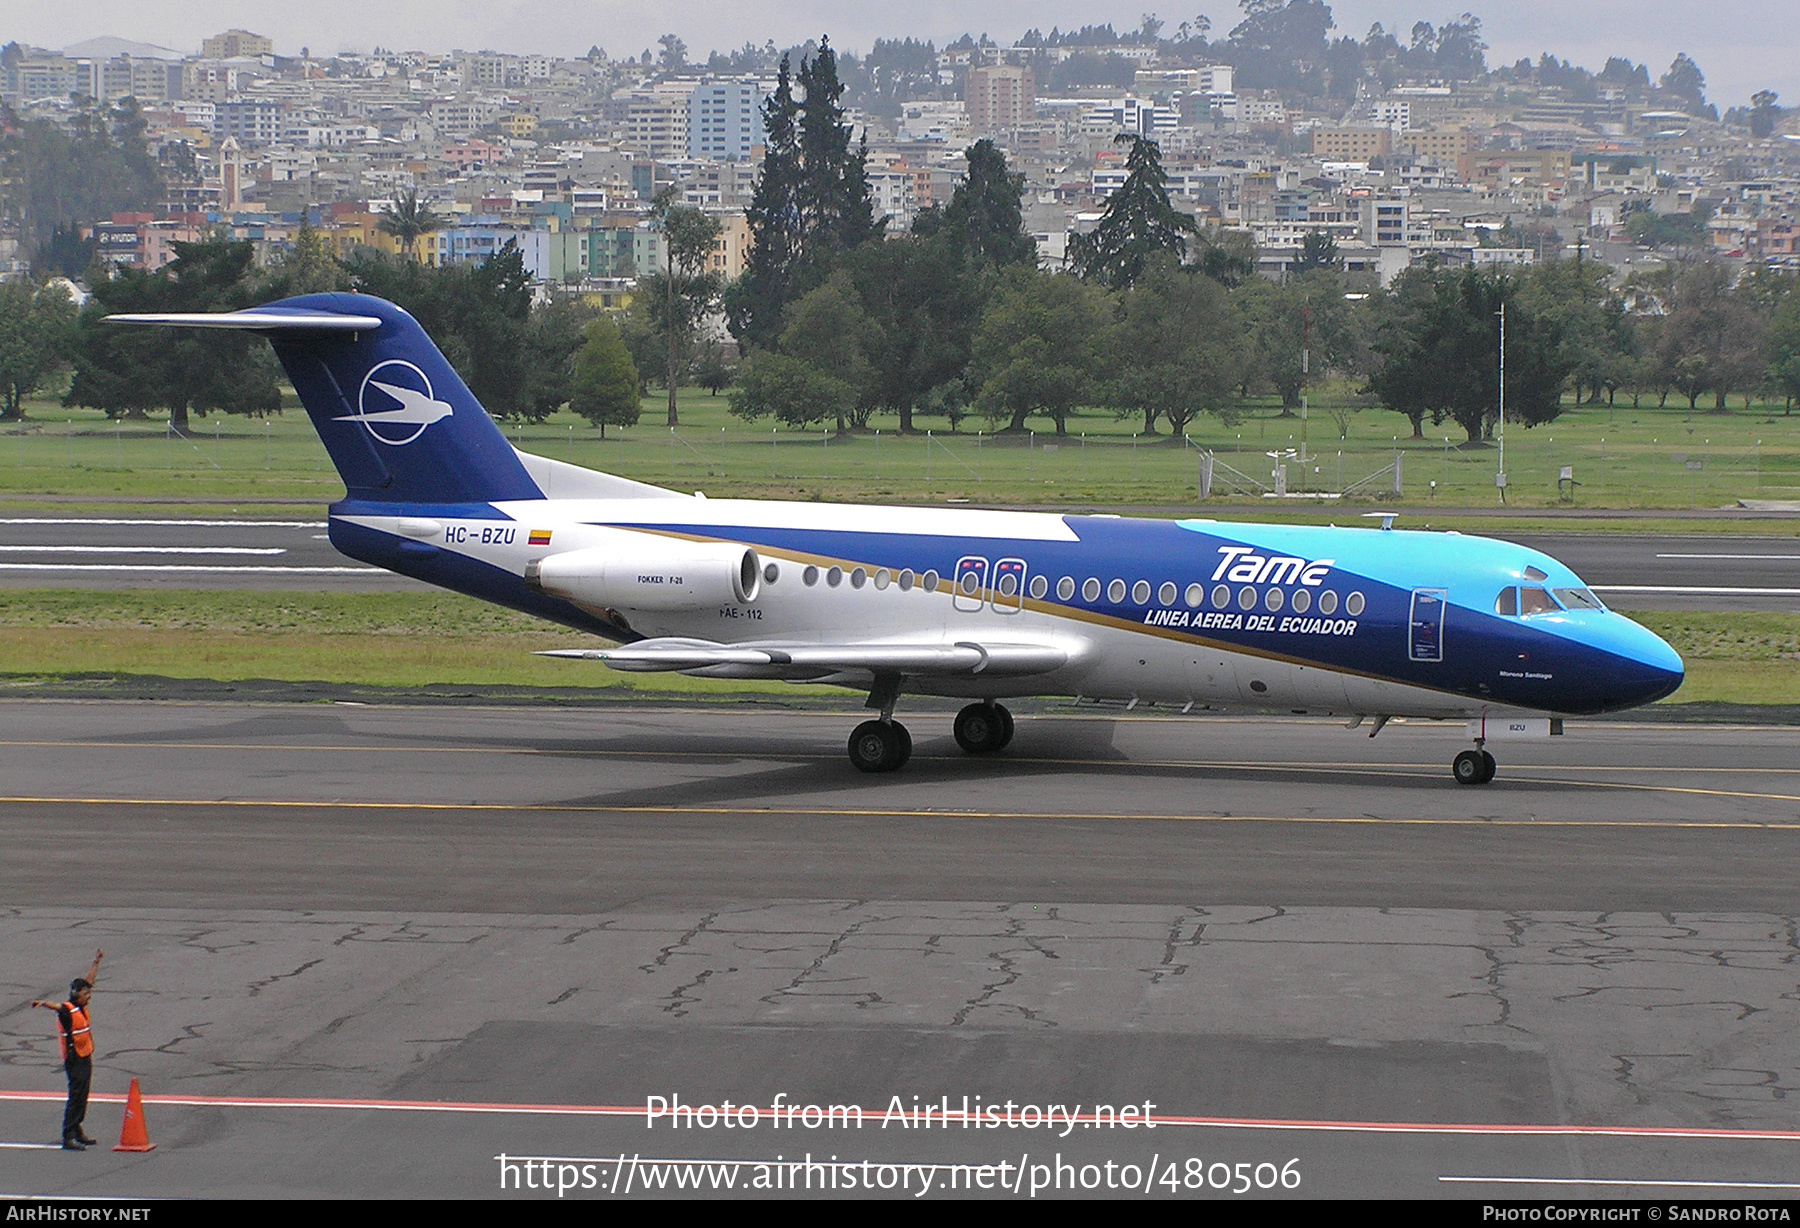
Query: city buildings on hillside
[{"x": 561, "y": 157}]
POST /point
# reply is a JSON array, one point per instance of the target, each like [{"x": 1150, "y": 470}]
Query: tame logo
[
  {"x": 1242, "y": 565},
  {"x": 395, "y": 403}
]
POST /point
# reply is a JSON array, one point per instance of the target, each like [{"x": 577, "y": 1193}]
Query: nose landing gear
[{"x": 1473, "y": 767}]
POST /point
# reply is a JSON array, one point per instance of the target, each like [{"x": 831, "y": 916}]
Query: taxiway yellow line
[{"x": 870, "y": 813}]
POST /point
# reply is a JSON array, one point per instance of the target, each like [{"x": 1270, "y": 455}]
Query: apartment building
[
  {"x": 999, "y": 98},
  {"x": 1351, "y": 144},
  {"x": 725, "y": 118}
]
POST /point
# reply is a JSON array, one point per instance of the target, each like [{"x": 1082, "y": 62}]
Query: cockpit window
[
  {"x": 1536, "y": 601},
  {"x": 1578, "y": 599},
  {"x": 1536, "y": 573},
  {"x": 1507, "y": 602}
]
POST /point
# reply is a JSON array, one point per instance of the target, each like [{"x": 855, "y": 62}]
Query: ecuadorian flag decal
[{"x": 539, "y": 537}]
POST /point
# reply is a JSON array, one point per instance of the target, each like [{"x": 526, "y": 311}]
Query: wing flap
[{"x": 960, "y": 658}]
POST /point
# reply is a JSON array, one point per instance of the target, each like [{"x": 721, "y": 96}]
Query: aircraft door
[
  {"x": 971, "y": 579},
  {"x": 1425, "y": 631},
  {"x": 1009, "y": 586}
]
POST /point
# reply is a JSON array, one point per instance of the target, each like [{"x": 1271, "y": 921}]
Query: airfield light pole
[{"x": 1500, "y": 430}]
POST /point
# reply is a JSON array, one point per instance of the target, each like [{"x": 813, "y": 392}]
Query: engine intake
[{"x": 637, "y": 572}]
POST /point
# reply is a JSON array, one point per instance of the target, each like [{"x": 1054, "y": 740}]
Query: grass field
[
  {"x": 1622, "y": 458},
  {"x": 415, "y": 639}
]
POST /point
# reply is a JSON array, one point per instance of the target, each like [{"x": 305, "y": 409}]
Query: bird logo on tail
[{"x": 397, "y": 407}]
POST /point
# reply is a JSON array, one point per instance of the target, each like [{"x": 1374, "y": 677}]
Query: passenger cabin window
[
  {"x": 1507, "y": 602},
  {"x": 1578, "y": 599},
  {"x": 1536, "y": 601}
]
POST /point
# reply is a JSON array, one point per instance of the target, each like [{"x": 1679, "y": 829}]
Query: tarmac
[{"x": 365, "y": 950}]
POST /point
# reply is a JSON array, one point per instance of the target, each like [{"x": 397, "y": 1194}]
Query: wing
[{"x": 786, "y": 659}]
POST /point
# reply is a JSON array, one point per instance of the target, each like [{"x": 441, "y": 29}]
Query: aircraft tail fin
[{"x": 397, "y": 420}]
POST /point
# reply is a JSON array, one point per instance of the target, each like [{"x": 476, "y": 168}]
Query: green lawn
[
  {"x": 415, "y": 639},
  {"x": 1622, "y": 458}
]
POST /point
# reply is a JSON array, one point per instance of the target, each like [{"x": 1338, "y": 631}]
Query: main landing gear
[
  {"x": 982, "y": 729},
  {"x": 1473, "y": 767},
  {"x": 880, "y": 746},
  {"x": 884, "y": 745}
]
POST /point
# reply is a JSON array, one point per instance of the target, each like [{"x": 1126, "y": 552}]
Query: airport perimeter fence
[{"x": 229, "y": 455}]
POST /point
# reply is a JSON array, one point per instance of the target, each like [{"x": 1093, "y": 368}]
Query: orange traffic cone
[{"x": 133, "y": 1135}]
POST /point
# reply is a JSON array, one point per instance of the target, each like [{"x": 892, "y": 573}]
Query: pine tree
[
  {"x": 835, "y": 210},
  {"x": 1139, "y": 221},
  {"x": 984, "y": 219},
  {"x": 753, "y": 306},
  {"x": 811, "y": 200}
]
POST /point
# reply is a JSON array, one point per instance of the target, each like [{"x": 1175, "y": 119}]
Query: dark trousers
[{"x": 81, "y": 1073}]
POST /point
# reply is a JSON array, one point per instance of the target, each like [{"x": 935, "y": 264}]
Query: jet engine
[{"x": 634, "y": 571}]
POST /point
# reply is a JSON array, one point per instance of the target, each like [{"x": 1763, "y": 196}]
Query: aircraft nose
[{"x": 1648, "y": 669}]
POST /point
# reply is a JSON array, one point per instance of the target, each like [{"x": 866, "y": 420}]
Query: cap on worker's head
[{"x": 77, "y": 985}]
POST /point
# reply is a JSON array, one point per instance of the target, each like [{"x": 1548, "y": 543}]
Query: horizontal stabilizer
[
  {"x": 963, "y": 658},
  {"x": 260, "y": 321}
]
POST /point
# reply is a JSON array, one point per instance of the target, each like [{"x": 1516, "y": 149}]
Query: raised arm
[{"x": 94, "y": 968}]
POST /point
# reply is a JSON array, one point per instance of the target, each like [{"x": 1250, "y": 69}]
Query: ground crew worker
[{"x": 78, "y": 1054}]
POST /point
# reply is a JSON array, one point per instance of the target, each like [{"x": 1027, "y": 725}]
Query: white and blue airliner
[{"x": 983, "y": 605}]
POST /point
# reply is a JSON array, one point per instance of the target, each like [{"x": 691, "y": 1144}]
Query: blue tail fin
[{"x": 399, "y": 423}]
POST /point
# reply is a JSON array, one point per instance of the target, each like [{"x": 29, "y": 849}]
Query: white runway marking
[
  {"x": 194, "y": 567},
  {"x": 30, "y": 1146},
  {"x": 143, "y": 550},
  {"x": 202, "y": 524},
  {"x": 1701, "y": 591},
  {"x": 1787, "y": 557}
]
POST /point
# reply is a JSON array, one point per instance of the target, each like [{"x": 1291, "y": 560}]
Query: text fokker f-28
[{"x": 984, "y": 605}]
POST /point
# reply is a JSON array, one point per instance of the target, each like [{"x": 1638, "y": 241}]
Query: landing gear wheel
[
  {"x": 981, "y": 729},
  {"x": 1473, "y": 767},
  {"x": 879, "y": 746},
  {"x": 1006, "y": 724}
]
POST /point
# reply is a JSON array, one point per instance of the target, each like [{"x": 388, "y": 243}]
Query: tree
[
  {"x": 1782, "y": 348},
  {"x": 1226, "y": 256},
  {"x": 1713, "y": 338},
  {"x": 811, "y": 201},
  {"x": 835, "y": 210},
  {"x": 924, "y": 299},
  {"x": 1297, "y": 326},
  {"x": 1040, "y": 347},
  {"x": 1763, "y": 114},
  {"x": 1440, "y": 348},
  {"x": 1177, "y": 352},
  {"x": 409, "y": 219},
  {"x": 753, "y": 305},
  {"x": 674, "y": 53},
  {"x": 309, "y": 267},
  {"x": 1138, "y": 222},
  {"x": 1317, "y": 251},
  {"x": 130, "y": 370},
  {"x": 829, "y": 331},
  {"x": 605, "y": 386},
  {"x": 1685, "y": 81},
  {"x": 713, "y": 369},
  {"x": 794, "y": 391},
  {"x": 984, "y": 219},
  {"x": 37, "y": 327},
  {"x": 686, "y": 289},
  {"x": 92, "y": 162}
]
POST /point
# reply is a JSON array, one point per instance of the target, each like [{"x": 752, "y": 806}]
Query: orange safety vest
[{"x": 78, "y": 1035}]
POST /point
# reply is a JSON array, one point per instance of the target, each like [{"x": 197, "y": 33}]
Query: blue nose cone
[{"x": 1646, "y": 669}]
